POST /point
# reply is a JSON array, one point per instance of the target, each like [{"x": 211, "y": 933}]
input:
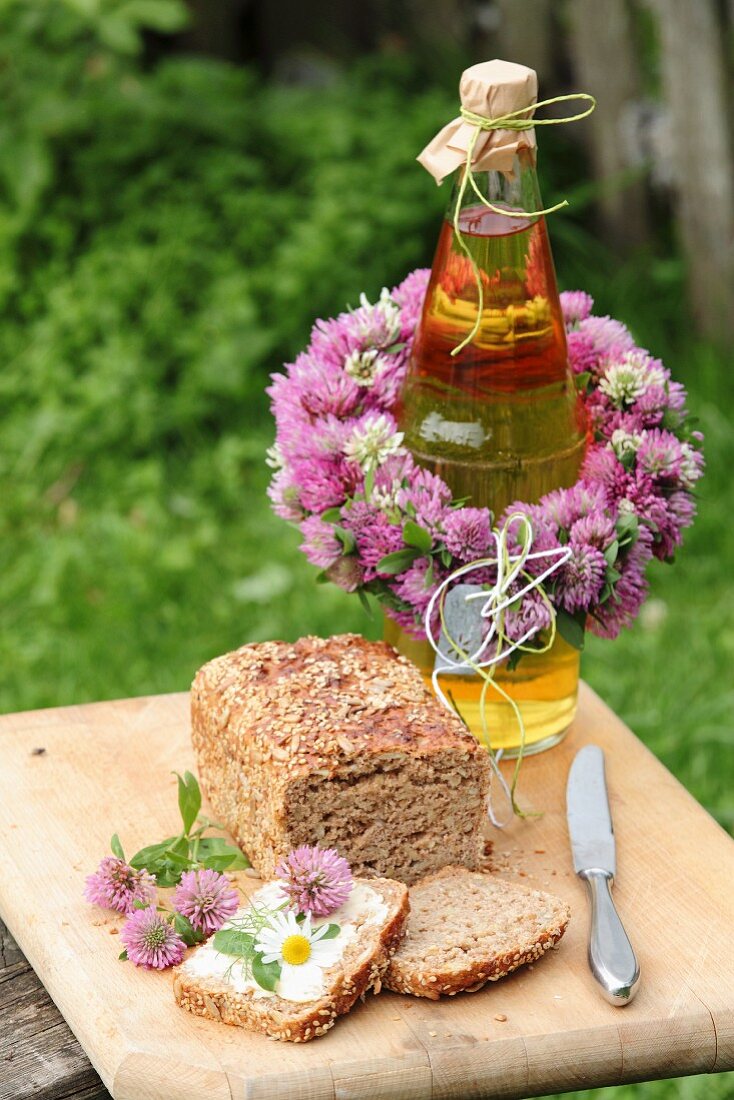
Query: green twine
[
  {"x": 515, "y": 120},
  {"x": 510, "y": 569}
]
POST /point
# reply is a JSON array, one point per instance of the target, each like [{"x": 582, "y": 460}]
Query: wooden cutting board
[{"x": 107, "y": 767}]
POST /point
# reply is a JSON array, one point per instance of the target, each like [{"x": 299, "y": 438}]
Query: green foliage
[
  {"x": 167, "y": 236},
  {"x": 188, "y": 851}
]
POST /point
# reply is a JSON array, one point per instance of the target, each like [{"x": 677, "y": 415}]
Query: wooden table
[{"x": 107, "y": 767}]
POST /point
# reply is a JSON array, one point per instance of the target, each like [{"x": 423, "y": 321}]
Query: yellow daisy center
[{"x": 296, "y": 950}]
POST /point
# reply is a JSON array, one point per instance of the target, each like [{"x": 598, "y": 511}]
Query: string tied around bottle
[
  {"x": 519, "y": 120},
  {"x": 510, "y": 570}
]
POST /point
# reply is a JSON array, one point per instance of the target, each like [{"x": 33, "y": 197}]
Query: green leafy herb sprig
[{"x": 191, "y": 849}]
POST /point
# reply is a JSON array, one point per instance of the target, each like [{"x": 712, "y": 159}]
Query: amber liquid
[{"x": 500, "y": 421}]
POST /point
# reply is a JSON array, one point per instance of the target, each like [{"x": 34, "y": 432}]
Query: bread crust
[
  {"x": 272, "y": 720},
  {"x": 287, "y": 1020},
  {"x": 434, "y": 982}
]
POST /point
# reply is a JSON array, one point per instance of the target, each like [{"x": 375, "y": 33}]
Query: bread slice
[
  {"x": 201, "y": 984},
  {"x": 467, "y": 928}
]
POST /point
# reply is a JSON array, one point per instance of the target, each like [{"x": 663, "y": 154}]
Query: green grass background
[{"x": 162, "y": 252}]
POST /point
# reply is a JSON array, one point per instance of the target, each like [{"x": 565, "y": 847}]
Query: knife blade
[{"x": 611, "y": 957}]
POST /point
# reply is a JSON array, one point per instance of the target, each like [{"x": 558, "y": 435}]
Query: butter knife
[{"x": 611, "y": 957}]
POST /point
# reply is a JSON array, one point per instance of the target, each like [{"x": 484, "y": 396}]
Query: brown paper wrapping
[{"x": 491, "y": 89}]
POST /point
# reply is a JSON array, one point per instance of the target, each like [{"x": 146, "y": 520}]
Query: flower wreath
[{"x": 377, "y": 523}]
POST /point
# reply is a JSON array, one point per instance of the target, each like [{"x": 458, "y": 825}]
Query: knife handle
[{"x": 611, "y": 958}]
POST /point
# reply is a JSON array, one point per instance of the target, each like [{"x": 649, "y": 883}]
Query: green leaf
[
  {"x": 332, "y": 515},
  {"x": 398, "y": 561},
  {"x": 117, "y": 848},
  {"x": 180, "y": 847},
  {"x": 167, "y": 874},
  {"x": 572, "y": 628},
  {"x": 446, "y": 558},
  {"x": 381, "y": 590},
  {"x": 628, "y": 528},
  {"x": 346, "y": 538},
  {"x": 123, "y": 956},
  {"x": 232, "y": 941},
  {"x": 226, "y": 856},
  {"x": 265, "y": 974},
  {"x": 365, "y": 602},
  {"x": 395, "y": 348},
  {"x": 189, "y": 799},
  {"x": 610, "y": 554},
  {"x": 611, "y": 575},
  {"x": 582, "y": 381},
  {"x": 417, "y": 536},
  {"x": 514, "y": 660},
  {"x": 154, "y": 853},
  {"x": 369, "y": 483},
  {"x": 331, "y": 932},
  {"x": 186, "y": 930},
  {"x": 177, "y": 860}
]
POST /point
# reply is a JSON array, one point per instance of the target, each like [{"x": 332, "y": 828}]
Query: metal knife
[{"x": 611, "y": 957}]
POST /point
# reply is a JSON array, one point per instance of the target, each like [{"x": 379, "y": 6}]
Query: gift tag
[{"x": 464, "y": 625}]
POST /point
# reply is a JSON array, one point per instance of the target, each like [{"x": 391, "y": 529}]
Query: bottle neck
[{"x": 516, "y": 190}]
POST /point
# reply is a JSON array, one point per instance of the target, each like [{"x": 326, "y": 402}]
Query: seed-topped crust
[
  {"x": 271, "y": 721},
  {"x": 467, "y": 928}
]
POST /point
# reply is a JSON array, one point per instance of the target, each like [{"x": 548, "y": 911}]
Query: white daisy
[{"x": 301, "y": 952}]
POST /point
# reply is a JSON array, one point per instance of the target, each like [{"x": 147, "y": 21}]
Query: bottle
[{"x": 500, "y": 420}]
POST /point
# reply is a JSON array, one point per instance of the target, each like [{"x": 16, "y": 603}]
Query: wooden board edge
[{"x": 141, "y": 1075}]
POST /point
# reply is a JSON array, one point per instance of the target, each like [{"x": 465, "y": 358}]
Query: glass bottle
[{"x": 501, "y": 420}]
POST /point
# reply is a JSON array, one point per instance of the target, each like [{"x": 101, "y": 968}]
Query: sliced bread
[
  {"x": 372, "y": 922},
  {"x": 467, "y": 928}
]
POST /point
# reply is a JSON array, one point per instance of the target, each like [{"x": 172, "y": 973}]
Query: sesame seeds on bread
[
  {"x": 360, "y": 969},
  {"x": 337, "y": 742},
  {"x": 467, "y": 928}
]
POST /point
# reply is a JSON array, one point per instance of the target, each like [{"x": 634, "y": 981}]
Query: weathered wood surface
[
  {"x": 108, "y": 767},
  {"x": 39, "y": 1056}
]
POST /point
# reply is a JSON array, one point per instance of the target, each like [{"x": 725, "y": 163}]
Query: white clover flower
[
  {"x": 382, "y": 326},
  {"x": 623, "y": 382},
  {"x": 625, "y": 507},
  {"x": 690, "y": 470},
  {"x": 372, "y": 443},
  {"x": 274, "y": 457},
  {"x": 387, "y": 499},
  {"x": 364, "y": 366},
  {"x": 626, "y": 381},
  {"x": 625, "y": 443},
  {"x": 654, "y": 373},
  {"x": 301, "y": 952}
]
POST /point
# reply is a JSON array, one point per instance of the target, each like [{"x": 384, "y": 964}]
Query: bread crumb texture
[{"x": 467, "y": 928}]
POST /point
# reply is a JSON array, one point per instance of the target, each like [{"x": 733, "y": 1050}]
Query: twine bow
[
  {"x": 515, "y": 120},
  {"x": 510, "y": 569}
]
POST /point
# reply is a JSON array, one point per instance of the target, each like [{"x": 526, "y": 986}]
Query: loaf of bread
[
  {"x": 467, "y": 928},
  {"x": 337, "y": 742},
  {"x": 372, "y": 920}
]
